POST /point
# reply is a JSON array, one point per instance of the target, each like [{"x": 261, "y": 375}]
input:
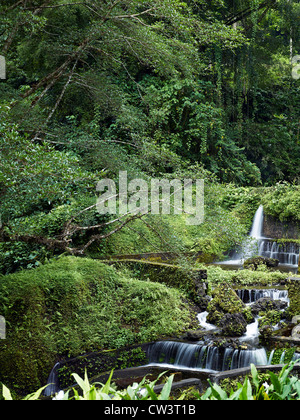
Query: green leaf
[
  {"x": 234, "y": 396},
  {"x": 6, "y": 393},
  {"x": 207, "y": 394},
  {"x": 166, "y": 389},
  {"x": 275, "y": 382},
  {"x": 106, "y": 387},
  {"x": 151, "y": 393},
  {"x": 84, "y": 384},
  {"x": 297, "y": 387},
  {"x": 255, "y": 376},
  {"x": 218, "y": 392},
  {"x": 246, "y": 391},
  {"x": 36, "y": 395}
]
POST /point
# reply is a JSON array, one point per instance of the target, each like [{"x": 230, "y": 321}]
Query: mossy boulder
[
  {"x": 267, "y": 304},
  {"x": 224, "y": 301},
  {"x": 255, "y": 262},
  {"x": 233, "y": 325},
  {"x": 270, "y": 318},
  {"x": 223, "y": 306}
]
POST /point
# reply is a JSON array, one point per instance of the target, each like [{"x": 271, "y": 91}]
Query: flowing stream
[{"x": 210, "y": 358}]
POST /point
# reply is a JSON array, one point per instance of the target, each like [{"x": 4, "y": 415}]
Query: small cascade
[
  {"x": 202, "y": 318},
  {"x": 271, "y": 357},
  {"x": 53, "y": 385},
  {"x": 202, "y": 357},
  {"x": 252, "y": 333},
  {"x": 296, "y": 357},
  {"x": 281, "y": 362},
  {"x": 251, "y": 244},
  {"x": 249, "y": 296},
  {"x": 286, "y": 253}
]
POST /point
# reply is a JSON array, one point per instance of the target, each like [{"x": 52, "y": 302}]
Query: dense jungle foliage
[
  {"x": 158, "y": 89},
  {"x": 168, "y": 89}
]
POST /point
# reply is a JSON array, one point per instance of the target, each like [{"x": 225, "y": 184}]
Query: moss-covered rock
[
  {"x": 267, "y": 304},
  {"x": 270, "y": 318},
  {"x": 227, "y": 311},
  {"x": 293, "y": 286},
  {"x": 233, "y": 325},
  {"x": 255, "y": 262},
  {"x": 224, "y": 301}
]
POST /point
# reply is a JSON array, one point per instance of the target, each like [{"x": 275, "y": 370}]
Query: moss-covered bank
[
  {"x": 293, "y": 286},
  {"x": 73, "y": 306}
]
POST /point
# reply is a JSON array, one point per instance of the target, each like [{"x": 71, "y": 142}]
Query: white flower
[{"x": 59, "y": 396}]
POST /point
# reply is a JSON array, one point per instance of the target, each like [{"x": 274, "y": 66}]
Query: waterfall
[
  {"x": 281, "y": 362},
  {"x": 252, "y": 245},
  {"x": 252, "y": 333},
  {"x": 271, "y": 357},
  {"x": 202, "y": 357},
  {"x": 53, "y": 385},
  {"x": 296, "y": 357},
  {"x": 258, "y": 222},
  {"x": 287, "y": 253}
]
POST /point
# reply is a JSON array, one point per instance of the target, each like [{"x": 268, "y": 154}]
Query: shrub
[
  {"x": 99, "y": 392},
  {"x": 278, "y": 387}
]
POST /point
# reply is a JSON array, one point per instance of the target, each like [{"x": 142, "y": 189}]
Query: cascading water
[
  {"x": 53, "y": 385},
  {"x": 202, "y": 318},
  {"x": 252, "y": 333},
  {"x": 202, "y": 357},
  {"x": 252, "y": 295},
  {"x": 258, "y": 223},
  {"x": 211, "y": 358},
  {"x": 250, "y": 246},
  {"x": 287, "y": 253},
  {"x": 228, "y": 358}
]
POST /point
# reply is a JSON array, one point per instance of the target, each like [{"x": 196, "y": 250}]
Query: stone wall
[
  {"x": 166, "y": 257},
  {"x": 275, "y": 229},
  {"x": 170, "y": 274}
]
